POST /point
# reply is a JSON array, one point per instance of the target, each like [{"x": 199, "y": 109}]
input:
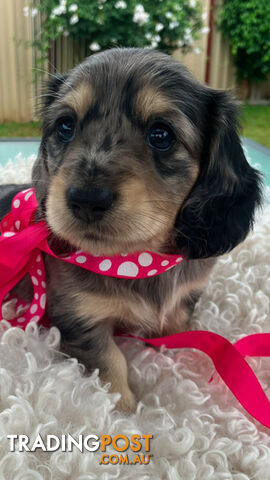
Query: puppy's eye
[
  {"x": 160, "y": 137},
  {"x": 65, "y": 129}
]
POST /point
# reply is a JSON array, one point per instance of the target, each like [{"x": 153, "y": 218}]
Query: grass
[
  {"x": 16, "y": 130},
  {"x": 256, "y": 123}
]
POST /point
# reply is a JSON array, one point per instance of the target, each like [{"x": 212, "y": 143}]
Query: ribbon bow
[{"x": 21, "y": 245}]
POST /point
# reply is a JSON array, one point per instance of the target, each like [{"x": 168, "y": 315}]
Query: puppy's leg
[
  {"x": 116, "y": 373},
  {"x": 95, "y": 348},
  {"x": 180, "y": 319}
]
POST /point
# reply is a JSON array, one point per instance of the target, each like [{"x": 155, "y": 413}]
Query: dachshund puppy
[{"x": 136, "y": 155}]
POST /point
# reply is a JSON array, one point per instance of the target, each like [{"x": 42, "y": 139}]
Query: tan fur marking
[
  {"x": 150, "y": 101},
  {"x": 58, "y": 216},
  {"x": 79, "y": 99},
  {"x": 150, "y": 208},
  {"x": 100, "y": 307},
  {"x": 131, "y": 311},
  {"x": 117, "y": 375}
]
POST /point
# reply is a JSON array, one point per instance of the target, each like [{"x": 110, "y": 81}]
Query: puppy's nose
[{"x": 89, "y": 204}]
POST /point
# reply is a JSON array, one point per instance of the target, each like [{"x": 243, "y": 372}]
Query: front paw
[{"x": 127, "y": 403}]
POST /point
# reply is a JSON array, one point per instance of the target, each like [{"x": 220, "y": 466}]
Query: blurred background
[{"x": 224, "y": 43}]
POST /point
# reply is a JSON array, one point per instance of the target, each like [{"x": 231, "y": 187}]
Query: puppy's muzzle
[{"x": 89, "y": 204}]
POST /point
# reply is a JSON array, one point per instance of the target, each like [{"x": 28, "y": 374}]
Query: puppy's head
[{"x": 137, "y": 155}]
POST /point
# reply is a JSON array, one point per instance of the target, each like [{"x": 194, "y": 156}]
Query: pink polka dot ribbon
[{"x": 22, "y": 242}]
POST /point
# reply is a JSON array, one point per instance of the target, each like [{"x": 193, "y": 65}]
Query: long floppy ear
[
  {"x": 40, "y": 172},
  {"x": 219, "y": 212}
]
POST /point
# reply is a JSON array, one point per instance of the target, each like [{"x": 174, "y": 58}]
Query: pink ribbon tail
[
  {"x": 229, "y": 362},
  {"x": 256, "y": 345}
]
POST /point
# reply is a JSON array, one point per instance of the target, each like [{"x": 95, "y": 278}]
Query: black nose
[{"x": 89, "y": 204}]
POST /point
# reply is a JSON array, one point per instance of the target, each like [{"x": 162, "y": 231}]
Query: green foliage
[
  {"x": 247, "y": 25},
  {"x": 162, "y": 24}
]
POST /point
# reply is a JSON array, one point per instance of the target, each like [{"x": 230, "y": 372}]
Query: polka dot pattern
[
  {"x": 136, "y": 265},
  {"x": 81, "y": 259},
  {"x": 34, "y": 280},
  {"x": 145, "y": 259},
  {"x": 21, "y": 319},
  {"x": 105, "y": 265},
  {"x": 15, "y": 222},
  {"x": 28, "y": 195},
  {"x": 43, "y": 300},
  {"x": 34, "y": 308},
  {"x": 128, "y": 269},
  {"x": 151, "y": 273}
]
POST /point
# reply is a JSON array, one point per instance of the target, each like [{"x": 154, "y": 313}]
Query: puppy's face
[
  {"x": 137, "y": 155},
  {"x": 121, "y": 156}
]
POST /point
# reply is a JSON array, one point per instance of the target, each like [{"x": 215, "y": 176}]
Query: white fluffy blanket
[{"x": 200, "y": 431}]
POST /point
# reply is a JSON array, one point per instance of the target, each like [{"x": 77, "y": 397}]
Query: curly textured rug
[{"x": 200, "y": 431}]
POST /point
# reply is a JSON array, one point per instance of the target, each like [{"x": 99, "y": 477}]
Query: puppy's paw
[{"x": 127, "y": 403}]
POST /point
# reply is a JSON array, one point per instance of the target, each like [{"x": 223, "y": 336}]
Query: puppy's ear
[
  {"x": 219, "y": 211},
  {"x": 40, "y": 171}
]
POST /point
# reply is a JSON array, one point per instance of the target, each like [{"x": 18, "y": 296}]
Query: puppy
[{"x": 136, "y": 155}]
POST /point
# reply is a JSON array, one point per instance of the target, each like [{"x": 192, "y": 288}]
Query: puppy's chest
[{"x": 147, "y": 302}]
